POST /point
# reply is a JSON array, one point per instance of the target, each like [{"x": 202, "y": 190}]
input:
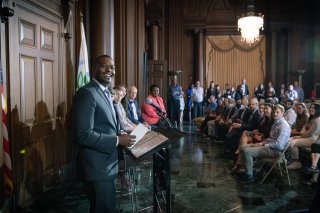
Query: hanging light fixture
[{"x": 250, "y": 25}]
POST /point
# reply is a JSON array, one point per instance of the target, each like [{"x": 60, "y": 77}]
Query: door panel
[
  {"x": 157, "y": 74},
  {"x": 36, "y": 85}
]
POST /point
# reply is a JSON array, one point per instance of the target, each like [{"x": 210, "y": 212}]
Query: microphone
[
  {"x": 149, "y": 101},
  {"x": 166, "y": 120}
]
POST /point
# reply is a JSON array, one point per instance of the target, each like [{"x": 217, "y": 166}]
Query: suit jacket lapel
[{"x": 101, "y": 93}]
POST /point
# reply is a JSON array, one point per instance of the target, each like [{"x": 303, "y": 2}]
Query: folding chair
[{"x": 277, "y": 160}]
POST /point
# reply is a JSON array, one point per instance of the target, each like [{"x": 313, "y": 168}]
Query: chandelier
[{"x": 250, "y": 25}]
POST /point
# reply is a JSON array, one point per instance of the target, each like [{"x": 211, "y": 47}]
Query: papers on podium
[
  {"x": 139, "y": 132},
  {"x": 148, "y": 144}
]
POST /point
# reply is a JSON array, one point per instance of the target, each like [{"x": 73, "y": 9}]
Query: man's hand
[
  {"x": 236, "y": 126},
  {"x": 147, "y": 125},
  {"x": 126, "y": 140}
]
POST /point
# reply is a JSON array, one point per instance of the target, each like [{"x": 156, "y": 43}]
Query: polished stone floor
[{"x": 200, "y": 182}]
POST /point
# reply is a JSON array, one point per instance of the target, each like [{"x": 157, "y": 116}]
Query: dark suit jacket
[
  {"x": 246, "y": 86},
  {"x": 253, "y": 121},
  {"x": 96, "y": 129},
  {"x": 131, "y": 115}
]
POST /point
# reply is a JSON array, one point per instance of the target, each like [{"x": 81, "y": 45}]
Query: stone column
[{"x": 199, "y": 57}]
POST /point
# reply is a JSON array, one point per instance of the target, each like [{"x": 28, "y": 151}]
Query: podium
[{"x": 157, "y": 143}]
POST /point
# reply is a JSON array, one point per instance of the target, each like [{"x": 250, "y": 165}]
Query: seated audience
[
  {"x": 248, "y": 123},
  {"x": 225, "y": 113},
  {"x": 269, "y": 148},
  {"x": 259, "y": 92},
  {"x": 211, "y": 116},
  {"x": 125, "y": 123},
  {"x": 134, "y": 112},
  {"x": 302, "y": 117},
  {"x": 150, "y": 113},
  {"x": 282, "y": 92},
  {"x": 257, "y": 135},
  {"x": 309, "y": 135},
  {"x": 290, "y": 115},
  {"x": 211, "y": 107},
  {"x": 314, "y": 170}
]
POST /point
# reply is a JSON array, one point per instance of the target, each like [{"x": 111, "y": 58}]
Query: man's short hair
[
  {"x": 99, "y": 58},
  {"x": 278, "y": 106}
]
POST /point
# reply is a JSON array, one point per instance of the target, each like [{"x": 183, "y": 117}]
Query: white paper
[{"x": 139, "y": 132}]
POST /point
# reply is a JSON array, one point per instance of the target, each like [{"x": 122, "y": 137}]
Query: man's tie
[
  {"x": 107, "y": 94},
  {"x": 106, "y": 91}
]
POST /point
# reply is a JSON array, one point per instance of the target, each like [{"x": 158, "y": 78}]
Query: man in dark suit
[
  {"x": 244, "y": 87},
  {"x": 249, "y": 122},
  {"x": 97, "y": 134},
  {"x": 134, "y": 112}
]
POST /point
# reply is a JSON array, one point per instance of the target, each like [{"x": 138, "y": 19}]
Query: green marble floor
[{"x": 200, "y": 182}]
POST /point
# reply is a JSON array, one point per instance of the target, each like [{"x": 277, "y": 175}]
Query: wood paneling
[
  {"x": 28, "y": 88},
  {"x": 130, "y": 44},
  {"x": 48, "y": 87},
  {"x": 175, "y": 35},
  {"x": 37, "y": 91},
  {"x": 157, "y": 74},
  {"x": 186, "y": 76},
  {"x": 27, "y": 33}
]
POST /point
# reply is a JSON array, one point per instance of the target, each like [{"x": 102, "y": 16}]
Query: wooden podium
[
  {"x": 147, "y": 145},
  {"x": 158, "y": 144}
]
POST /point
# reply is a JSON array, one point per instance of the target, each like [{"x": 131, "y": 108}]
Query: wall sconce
[{"x": 5, "y": 10}]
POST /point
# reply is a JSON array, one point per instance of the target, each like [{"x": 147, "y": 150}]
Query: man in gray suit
[{"x": 97, "y": 134}]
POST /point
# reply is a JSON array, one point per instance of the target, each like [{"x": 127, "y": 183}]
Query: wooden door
[
  {"x": 36, "y": 85},
  {"x": 158, "y": 74}
]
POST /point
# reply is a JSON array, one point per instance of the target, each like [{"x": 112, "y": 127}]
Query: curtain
[{"x": 229, "y": 60}]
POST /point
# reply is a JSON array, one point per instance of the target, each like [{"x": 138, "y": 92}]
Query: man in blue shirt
[
  {"x": 271, "y": 147},
  {"x": 174, "y": 93}
]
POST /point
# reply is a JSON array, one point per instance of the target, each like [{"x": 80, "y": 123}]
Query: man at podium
[{"x": 97, "y": 136}]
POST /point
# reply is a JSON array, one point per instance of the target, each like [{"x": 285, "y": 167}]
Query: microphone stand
[{"x": 167, "y": 121}]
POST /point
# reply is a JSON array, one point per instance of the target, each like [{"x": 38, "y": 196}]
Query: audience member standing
[
  {"x": 244, "y": 87},
  {"x": 189, "y": 100},
  {"x": 292, "y": 94},
  {"x": 174, "y": 93},
  {"x": 197, "y": 97},
  {"x": 299, "y": 90},
  {"x": 210, "y": 91}
]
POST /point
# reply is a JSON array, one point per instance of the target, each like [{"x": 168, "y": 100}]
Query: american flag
[{"x": 6, "y": 146}]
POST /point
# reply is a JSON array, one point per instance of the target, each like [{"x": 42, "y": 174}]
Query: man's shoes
[
  {"x": 238, "y": 171},
  {"x": 308, "y": 183},
  {"x": 247, "y": 179},
  {"x": 313, "y": 170},
  {"x": 295, "y": 165}
]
